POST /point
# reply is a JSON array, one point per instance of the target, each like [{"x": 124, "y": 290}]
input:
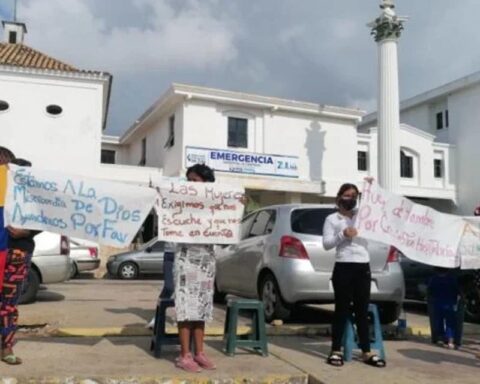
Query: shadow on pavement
[
  {"x": 49, "y": 296},
  {"x": 438, "y": 357},
  {"x": 317, "y": 346},
  {"x": 143, "y": 313}
]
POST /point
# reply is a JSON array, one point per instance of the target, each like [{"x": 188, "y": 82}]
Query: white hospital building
[{"x": 279, "y": 150}]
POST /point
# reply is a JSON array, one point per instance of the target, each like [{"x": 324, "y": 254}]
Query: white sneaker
[{"x": 151, "y": 324}]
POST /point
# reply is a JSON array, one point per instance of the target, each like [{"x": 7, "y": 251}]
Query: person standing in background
[
  {"x": 20, "y": 250},
  {"x": 351, "y": 275},
  {"x": 194, "y": 276}
]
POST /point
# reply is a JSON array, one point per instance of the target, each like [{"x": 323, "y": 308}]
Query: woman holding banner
[
  {"x": 351, "y": 275},
  {"x": 17, "y": 264},
  {"x": 194, "y": 275}
]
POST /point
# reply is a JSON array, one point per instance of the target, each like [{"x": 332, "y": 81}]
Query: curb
[
  {"x": 282, "y": 330},
  {"x": 294, "y": 330},
  {"x": 265, "y": 379}
]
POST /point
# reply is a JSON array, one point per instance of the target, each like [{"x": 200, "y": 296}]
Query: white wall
[
  {"x": 325, "y": 147},
  {"x": 71, "y": 140},
  {"x": 418, "y": 117},
  {"x": 424, "y": 150},
  {"x": 156, "y": 132},
  {"x": 464, "y": 131}
]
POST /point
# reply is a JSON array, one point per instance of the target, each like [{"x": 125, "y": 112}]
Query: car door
[
  {"x": 152, "y": 258},
  {"x": 228, "y": 259},
  {"x": 252, "y": 248}
]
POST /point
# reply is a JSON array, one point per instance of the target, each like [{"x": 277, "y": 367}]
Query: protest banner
[
  {"x": 201, "y": 213},
  {"x": 108, "y": 213},
  {"x": 469, "y": 248},
  {"x": 418, "y": 231}
]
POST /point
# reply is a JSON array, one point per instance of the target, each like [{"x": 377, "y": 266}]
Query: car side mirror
[{"x": 148, "y": 249}]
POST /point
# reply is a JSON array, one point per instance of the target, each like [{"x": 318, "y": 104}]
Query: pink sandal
[
  {"x": 203, "y": 361},
  {"x": 187, "y": 364}
]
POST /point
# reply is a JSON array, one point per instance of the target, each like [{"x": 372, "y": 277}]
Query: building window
[
  {"x": 362, "y": 162},
  {"x": 3, "y": 105},
  {"x": 12, "y": 37},
  {"x": 108, "y": 156},
  {"x": 438, "y": 168},
  {"x": 446, "y": 118},
  {"x": 237, "y": 132},
  {"x": 54, "y": 110},
  {"x": 439, "y": 117},
  {"x": 406, "y": 165},
  {"x": 143, "y": 158},
  {"x": 171, "y": 132}
]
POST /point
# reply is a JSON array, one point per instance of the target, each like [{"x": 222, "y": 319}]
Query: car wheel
[
  {"x": 472, "y": 303},
  {"x": 74, "y": 271},
  {"x": 218, "y": 297},
  {"x": 389, "y": 312},
  {"x": 128, "y": 271},
  {"x": 30, "y": 288},
  {"x": 274, "y": 305}
]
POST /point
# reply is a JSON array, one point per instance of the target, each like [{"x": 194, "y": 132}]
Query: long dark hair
[
  {"x": 6, "y": 156},
  {"x": 344, "y": 188},
  {"x": 204, "y": 171}
]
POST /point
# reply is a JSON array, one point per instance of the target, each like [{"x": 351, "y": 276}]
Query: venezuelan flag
[{"x": 3, "y": 231}]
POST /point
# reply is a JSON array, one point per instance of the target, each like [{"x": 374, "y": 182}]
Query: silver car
[
  {"x": 281, "y": 260},
  {"x": 131, "y": 264}
]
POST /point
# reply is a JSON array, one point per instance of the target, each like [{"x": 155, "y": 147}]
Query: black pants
[{"x": 351, "y": 284}]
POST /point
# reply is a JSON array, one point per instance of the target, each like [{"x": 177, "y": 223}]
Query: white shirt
[{"x": 348, "y": 250}]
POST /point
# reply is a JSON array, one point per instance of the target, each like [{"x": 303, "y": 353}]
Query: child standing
[{"x": 444, "y": 291}]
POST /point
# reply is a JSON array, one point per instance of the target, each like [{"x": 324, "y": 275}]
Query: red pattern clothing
[{"x": 16, "y": 272}]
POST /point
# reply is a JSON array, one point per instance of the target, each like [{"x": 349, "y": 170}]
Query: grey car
[
  {"x": 132, "y": 264},
  {"x": 280, "y": 259}
]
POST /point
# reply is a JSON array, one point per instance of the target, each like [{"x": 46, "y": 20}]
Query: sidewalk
[
  {"x": 293, "y": 360},
  {"x": 128, "y": 360},
  {"x": 111, "y": 345}
]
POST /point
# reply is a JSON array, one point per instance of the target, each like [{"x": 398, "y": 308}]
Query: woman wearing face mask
[{"x": 351, "y": 275}]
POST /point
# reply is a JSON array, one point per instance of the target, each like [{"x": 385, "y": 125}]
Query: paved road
[
  {"x": 89, "y": 302},
  {"x": 94, "y": 303}
]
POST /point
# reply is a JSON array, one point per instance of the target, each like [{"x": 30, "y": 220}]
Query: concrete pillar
[
  {"x": 388, "y": 116},
  {"x": 386, "y": 29}
]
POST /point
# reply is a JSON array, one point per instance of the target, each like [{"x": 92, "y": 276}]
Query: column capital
[{"x": 388, "y": 25}]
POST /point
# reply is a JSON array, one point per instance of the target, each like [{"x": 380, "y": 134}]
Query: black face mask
[{"x": 347, "y": 204}]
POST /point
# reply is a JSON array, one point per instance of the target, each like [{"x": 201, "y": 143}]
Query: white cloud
[{"x": 190, "y": 37}]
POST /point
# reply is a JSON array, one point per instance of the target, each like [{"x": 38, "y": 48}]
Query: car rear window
[{"x": 309, "y": 220}]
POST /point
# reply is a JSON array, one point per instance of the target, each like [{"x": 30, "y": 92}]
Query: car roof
[{"x": 289, "y": 207}]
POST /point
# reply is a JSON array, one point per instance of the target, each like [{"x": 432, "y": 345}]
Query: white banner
[
  {"x": 243, "y": 162},
  {"x": 106, "y": 212},
  {"x": 419, "y": 232},
  {"x": 469, "y": 248},
  {"x": 201, "y": 213}
]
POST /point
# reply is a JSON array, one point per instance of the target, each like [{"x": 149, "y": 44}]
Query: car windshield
[{"x": 310, "y": 220}]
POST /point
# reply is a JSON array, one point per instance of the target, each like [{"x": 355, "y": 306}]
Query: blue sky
[{"x": 312, "y": 50}]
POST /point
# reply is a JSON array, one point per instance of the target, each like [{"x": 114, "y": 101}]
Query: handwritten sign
[
  {"x": 108, "y": 213},
  {"x": 201, "y": 213},
  {"x": 469, "y": 248},
  {"x": 418, "y": 231}
]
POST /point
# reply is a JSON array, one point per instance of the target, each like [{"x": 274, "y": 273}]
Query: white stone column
[
  {"x": 388, "y": 104},
  {"x": 386, "y": 29}
]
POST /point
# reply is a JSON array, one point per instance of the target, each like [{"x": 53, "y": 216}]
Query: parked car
[
  {"x": 50, "y": 264},
  {"x": 280, "y": 259},
  {"x": 416, "y": 278},
  {"x": 83, "y": 256},
  {"x": 130, "y": 265}
]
